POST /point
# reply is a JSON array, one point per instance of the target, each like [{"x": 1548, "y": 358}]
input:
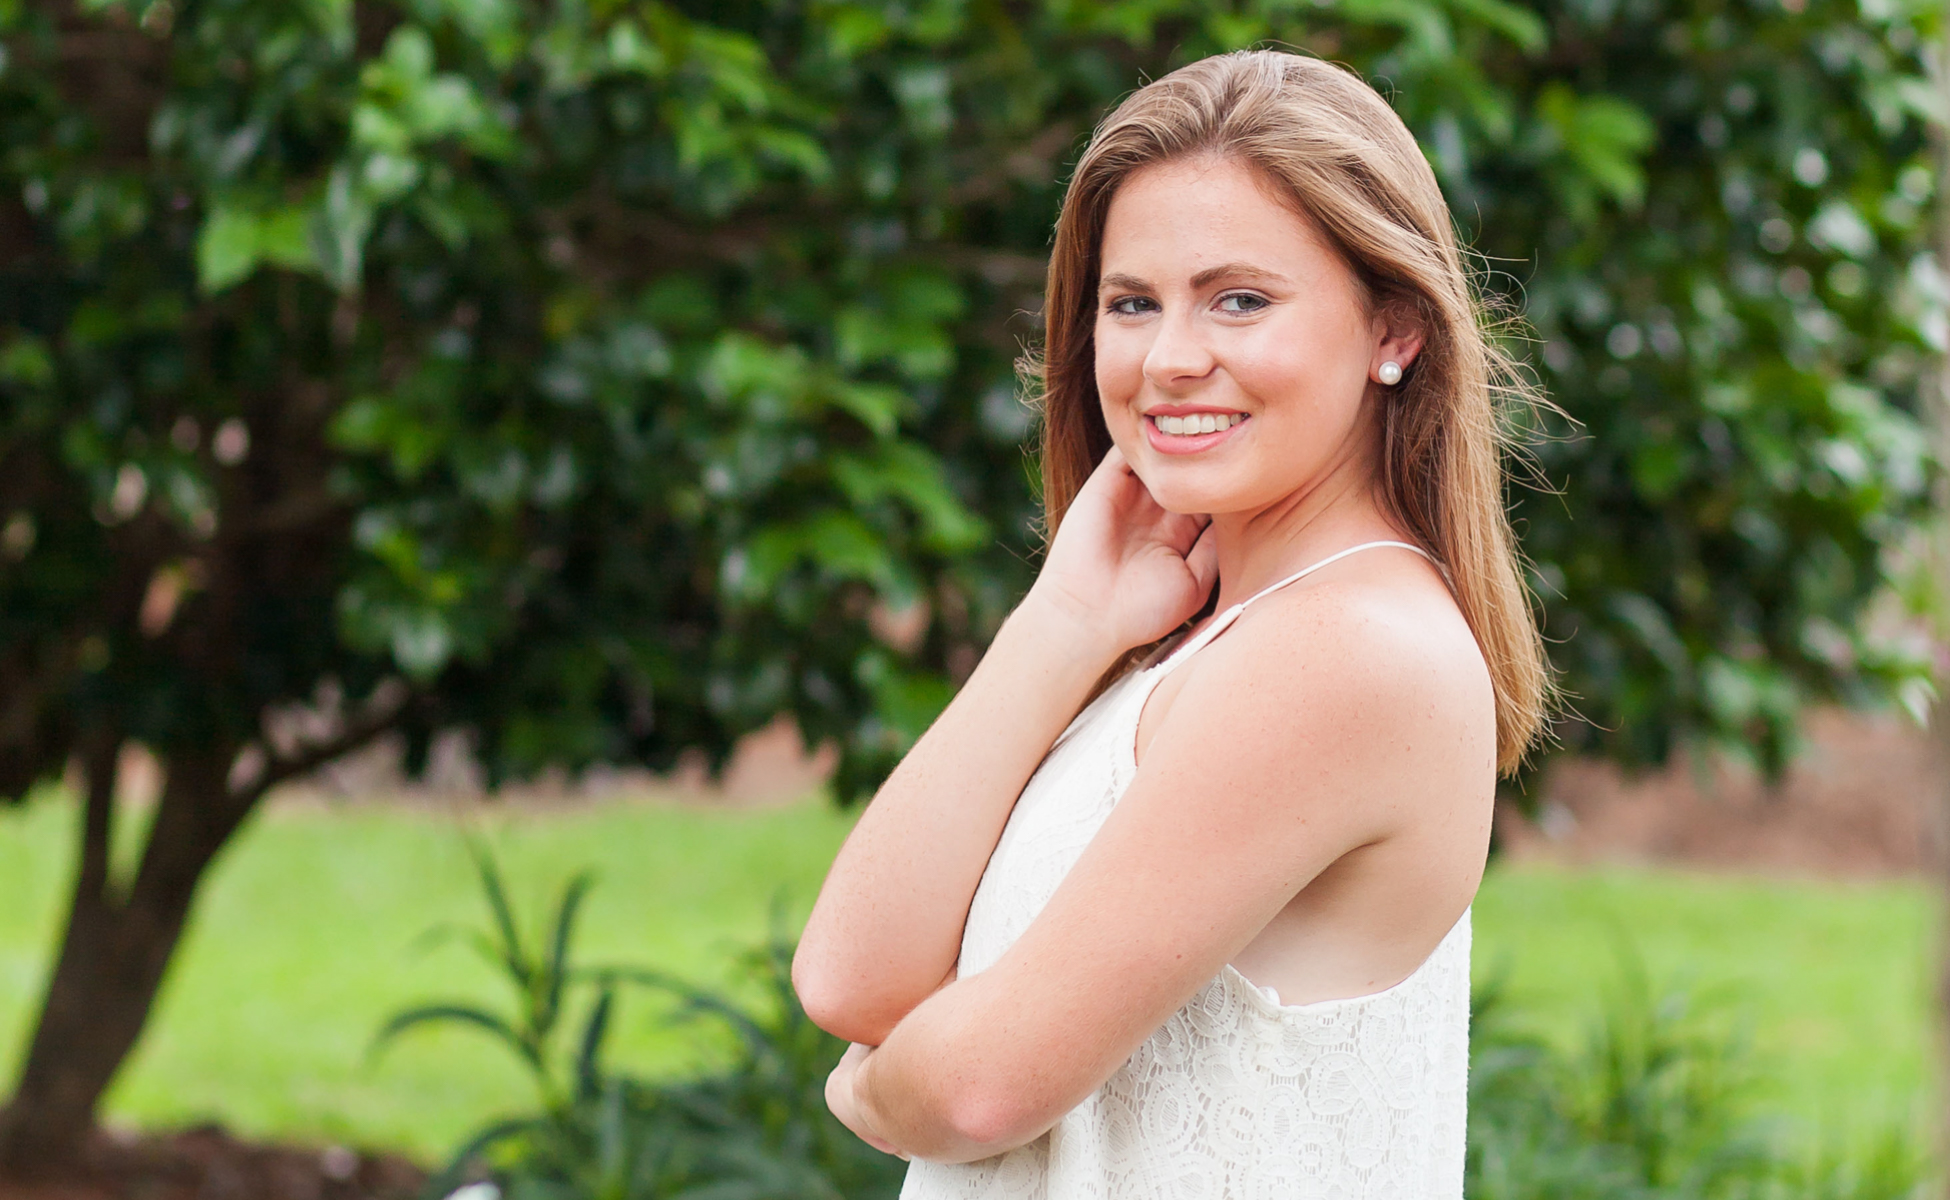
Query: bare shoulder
[
  {"x": 1371, "y": 665},
  {"x": 1387, "y": 620}
]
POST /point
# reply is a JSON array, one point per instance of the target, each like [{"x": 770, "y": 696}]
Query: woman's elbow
[
  {"x": 841, "y": 1008},
  {"x": 985, "y": 1125},
  {"x": 983, "y": 1122}
]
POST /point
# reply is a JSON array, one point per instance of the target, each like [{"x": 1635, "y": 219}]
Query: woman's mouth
[
  {"x": 1196, "y": 423},
  {"x": 1191, "y": 432}
]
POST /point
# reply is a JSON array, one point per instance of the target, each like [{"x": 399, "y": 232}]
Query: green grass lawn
[
  {"x": 1831, "y": 981},
  {"x": 306, "y": 939}
]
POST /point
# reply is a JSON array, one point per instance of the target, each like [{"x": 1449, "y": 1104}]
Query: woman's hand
[
  {"x": 844, "y": 1103},
  {"x": 1121, "y": 567}
]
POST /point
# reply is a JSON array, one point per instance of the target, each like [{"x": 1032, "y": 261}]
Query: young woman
[{"x": 1209, "y": 936}]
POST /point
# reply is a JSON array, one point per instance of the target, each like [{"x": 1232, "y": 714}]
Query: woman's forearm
[{"x": 886, "y": 929}]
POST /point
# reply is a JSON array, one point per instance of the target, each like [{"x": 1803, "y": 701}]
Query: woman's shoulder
[
  {"x": 1370, "y": 636},
  {"x": 1366, "y": 685}
]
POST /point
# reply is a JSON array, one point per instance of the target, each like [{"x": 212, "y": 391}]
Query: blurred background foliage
[
  {"x": 618, "y": 374},
  {"x": 1744, "y": 325},
  {"x": 608, "y": 379}
]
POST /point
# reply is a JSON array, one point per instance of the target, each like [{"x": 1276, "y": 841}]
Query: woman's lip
[
  {"x": 1185, "y": 443},
  {"x": 1188, "y": 410}
]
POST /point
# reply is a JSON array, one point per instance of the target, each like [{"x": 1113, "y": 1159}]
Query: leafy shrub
[
  {"x": 1661, "y": 1102},
  {"x": 757, "y": 1129}
]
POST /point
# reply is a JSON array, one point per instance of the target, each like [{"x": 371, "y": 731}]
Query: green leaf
[
  {"x": 513, "y": 956},
  {"x": 227, "y": 248},
  {"x": 1731, "y": 691},
  {"x": 1653, "y": 630},
  {"x": 236, "y": 238},
  {"x": 589, "y": 1048},
  {"x": 1519, "y": 24},
  {"x": 340, "y": 228},
  {"x": 742, "y": 367},
  {"x": 451, "y": 1014},
  {"x": 422, "y": 642},
  {"x": 284, "y": 238},
  {"x": 565, "y": 919},
  {"x": 877, "y": 405},
  {"x": 837, "y": 542},
  {"x": 1658, "y": 468},
  {"x": 908, "y": 472},
  {"x": 910, "y": 701},
  {"x": 1605, "y": 136},
  {"x": 25, "y": 361}
]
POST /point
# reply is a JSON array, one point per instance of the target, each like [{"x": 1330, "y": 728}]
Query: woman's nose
[{"x": 1177, "y": 354}]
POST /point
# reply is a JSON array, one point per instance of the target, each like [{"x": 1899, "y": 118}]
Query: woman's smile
[{"x": 1189, "y": 431}]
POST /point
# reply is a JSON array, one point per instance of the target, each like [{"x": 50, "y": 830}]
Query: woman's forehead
[{"x": 1205, "y": 222}]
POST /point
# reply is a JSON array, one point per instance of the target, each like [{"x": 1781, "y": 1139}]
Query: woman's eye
[
  {"x": 1241, "y": 302},
  {"x": 1131, "y": 306}
]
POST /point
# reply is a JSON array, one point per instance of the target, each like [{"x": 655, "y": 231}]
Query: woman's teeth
[{"x": 1197, "y": 423}]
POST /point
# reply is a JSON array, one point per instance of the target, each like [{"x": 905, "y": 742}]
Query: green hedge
[{"x": 613, "y": 372}]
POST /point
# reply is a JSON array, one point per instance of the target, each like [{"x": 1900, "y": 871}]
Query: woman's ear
[{"x": 1401, "y": 341}]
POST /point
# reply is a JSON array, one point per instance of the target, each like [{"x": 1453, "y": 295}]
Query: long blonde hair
[{"x": 1337, "y": 151}]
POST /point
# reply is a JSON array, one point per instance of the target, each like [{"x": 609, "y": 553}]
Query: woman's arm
[
  {"x": 1288, "y": 748},
  {"x": 886, "y": 929}
]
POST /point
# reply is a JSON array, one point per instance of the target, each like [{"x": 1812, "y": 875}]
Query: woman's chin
[
  {"x": 1194, "y": 501},
  {"x": 1188, "y": 485}
]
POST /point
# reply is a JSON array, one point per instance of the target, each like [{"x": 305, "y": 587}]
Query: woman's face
[{"x": 1220, "y": 308}]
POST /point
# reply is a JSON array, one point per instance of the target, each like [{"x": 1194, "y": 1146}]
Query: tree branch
[
  {"x": 289, "y": 513},
  {"x": 379, "y": 719}
]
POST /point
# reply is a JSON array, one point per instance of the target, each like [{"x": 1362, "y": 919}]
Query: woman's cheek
[
  {"x": 1272, "y": 361},
  {"x": 1118, "y": 381}
]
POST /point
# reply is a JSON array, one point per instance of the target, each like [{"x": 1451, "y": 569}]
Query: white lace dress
[{"x": 1236, "y": 1096}]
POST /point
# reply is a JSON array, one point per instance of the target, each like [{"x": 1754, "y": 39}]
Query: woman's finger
[
  {"x": 1111, "y": 464},
  {"x": 1181, "y": 531},
  {"x": 1203, "y": 561}
]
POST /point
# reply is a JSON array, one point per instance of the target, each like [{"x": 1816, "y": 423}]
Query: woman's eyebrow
[
  {"x": 1200, "y": 281},
  {"x": 1235, "y": 270}
]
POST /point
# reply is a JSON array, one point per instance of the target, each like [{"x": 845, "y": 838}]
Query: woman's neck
[{"x": 1339, "y": 508}]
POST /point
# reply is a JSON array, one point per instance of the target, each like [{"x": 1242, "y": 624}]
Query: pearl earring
[{"x": 1391, "y": 373}]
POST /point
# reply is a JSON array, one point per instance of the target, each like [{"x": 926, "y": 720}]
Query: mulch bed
[{"x": 206, "y": 1163}]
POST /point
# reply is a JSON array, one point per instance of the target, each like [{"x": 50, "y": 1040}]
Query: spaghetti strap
[
  {"x": 1335, "y": 557},
  {"x": 1218, "y": 624}
]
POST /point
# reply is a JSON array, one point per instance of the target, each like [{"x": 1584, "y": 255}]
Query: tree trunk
[{"x": 113, "y": 957}]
